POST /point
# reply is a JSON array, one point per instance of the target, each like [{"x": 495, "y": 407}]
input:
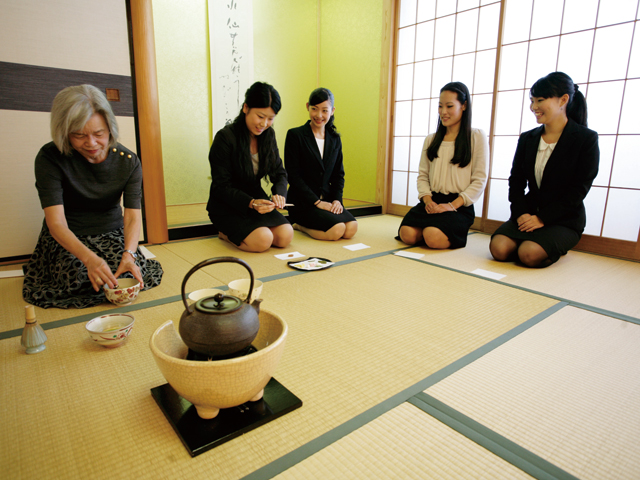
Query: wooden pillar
[
  {"x": 144, "y": 54},
  {"x": 385, "y": 107}
]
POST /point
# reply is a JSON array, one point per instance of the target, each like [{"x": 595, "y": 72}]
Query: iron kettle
[{"x": 219, "y": 325}]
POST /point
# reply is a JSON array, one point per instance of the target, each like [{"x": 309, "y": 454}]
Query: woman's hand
[
  {"x": 529, "y": 223},
  {"x": 128, "y": 264},
  {"x": 336, "y": 207},
  {"x": 279, "y": 201},
  {"x": 322, "y": 205},
  {"x": 99, "y": 273},
  {"x": 433, "y": 207},
  {"x": 263, "y": 206}
]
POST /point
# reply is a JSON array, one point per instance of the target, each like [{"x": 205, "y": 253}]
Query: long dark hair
[
  {"x": 320, "y": 95},
  {"x": 556, "y": 84},
  {"x": 462, "y": 153},
  {"x": 259, "y": 95}
]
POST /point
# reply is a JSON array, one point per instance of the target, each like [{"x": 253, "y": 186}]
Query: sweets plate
[{"x": 314, "y": 263}]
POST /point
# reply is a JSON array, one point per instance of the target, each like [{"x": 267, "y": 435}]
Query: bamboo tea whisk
[{"x": 33, "y": 336}]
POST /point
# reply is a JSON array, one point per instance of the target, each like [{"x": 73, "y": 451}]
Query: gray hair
[{"x": 71, "y": 110}]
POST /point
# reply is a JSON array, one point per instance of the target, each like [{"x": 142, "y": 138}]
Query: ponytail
[{"x": 577, "y": 108}]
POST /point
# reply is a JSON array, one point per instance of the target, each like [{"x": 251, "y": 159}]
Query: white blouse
[
  {"x": 443, "y": 177},
  {"x": 320, "y": 142},
  {"x": 542, "y": 157}
]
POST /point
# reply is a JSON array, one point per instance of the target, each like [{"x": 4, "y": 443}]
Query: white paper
[
  {"x": 290, "y": 256},
  {"x": 402, "y": 253},
  {"x": 488, "y": 274},
  {"x": 11, "y": 273},
  {"x": 145, "y": 251},
  {"x": 357, "y": 246}
]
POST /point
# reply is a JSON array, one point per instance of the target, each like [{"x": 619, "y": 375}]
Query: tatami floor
[{"x": 444, "y": 365}]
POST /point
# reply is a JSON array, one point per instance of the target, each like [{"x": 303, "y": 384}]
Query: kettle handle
[{"x": 211, "y": 261}]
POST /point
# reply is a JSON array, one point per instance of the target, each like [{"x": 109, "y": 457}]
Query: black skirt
[
  {"x": 318, "y": 219},
  {"x": 556, "y": 240},
  {"x": 54, "y": 277},
  {"x": 455, "y": 225},
  {"x": 237, "y": 226}
]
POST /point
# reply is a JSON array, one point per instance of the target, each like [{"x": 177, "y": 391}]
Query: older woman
[{"x": 85, "y": 242}]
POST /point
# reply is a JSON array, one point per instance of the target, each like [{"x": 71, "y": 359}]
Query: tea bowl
[
  {"x": 240, "y": 289},
  {"x": 213, "y": 385},
  {"x": 125, "y": 293},
  {"x": 110, "y": 330}
]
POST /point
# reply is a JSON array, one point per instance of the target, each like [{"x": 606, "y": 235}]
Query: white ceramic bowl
[
  {"x": 218, "y": 384},
  {"x": 127, "y": 291},
  {"x": 240, "y": 288},
  {"x": 110, "y": 330},
  {"x": 205, "y": 292}
]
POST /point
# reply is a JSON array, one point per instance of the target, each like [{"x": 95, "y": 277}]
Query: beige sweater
[{"x": 443, "y": 177}]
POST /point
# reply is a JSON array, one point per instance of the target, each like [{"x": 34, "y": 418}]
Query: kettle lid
[{"x": 218, "y": 304}]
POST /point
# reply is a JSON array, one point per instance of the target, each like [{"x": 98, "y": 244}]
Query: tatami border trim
[{"x": 504, "y": 448}]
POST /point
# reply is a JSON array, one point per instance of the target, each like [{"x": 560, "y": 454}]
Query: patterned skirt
[{"x": 53, "y": 277}]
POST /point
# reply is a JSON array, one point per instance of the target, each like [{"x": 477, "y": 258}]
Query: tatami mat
[
  {"x": 404, "y": 443},
  {"x": 377, "y": 232},
  {"x": 602, "y": 282},
  {"x": 359, "y": 334},
  {"x": 567, "y": 389},
  {"x": 362, "y": 334}
]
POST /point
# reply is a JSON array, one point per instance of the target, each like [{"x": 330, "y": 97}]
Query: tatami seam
[{"x": 499, "y": 445}]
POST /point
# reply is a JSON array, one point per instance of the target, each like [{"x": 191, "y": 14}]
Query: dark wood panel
[{"x": 32, "y": 88}]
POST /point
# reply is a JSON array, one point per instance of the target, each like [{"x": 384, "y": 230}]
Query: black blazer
[
  {"x": 230, "y": 188},
  {"x": 311, "y": 176},
  {"x": 566, "y": 179}
]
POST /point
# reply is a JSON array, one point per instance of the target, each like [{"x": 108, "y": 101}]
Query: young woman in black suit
[
  {"x": 241, "y": 156},
  {"x": 313, "y": 157},
  {"x": 557, "y": 162}
]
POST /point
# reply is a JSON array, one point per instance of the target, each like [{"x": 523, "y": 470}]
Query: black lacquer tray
[{"x": 199, "y": 435}]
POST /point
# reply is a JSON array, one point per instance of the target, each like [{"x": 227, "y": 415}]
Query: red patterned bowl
[
  {"x": 110, "y": 330},
  {"x": 126, "y": 292}
]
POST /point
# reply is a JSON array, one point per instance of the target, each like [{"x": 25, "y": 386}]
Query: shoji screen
[
  {"x": 596, "y": 42},
  {"x": 437, "y": 42},
  {"x": 598, "y": 45}
]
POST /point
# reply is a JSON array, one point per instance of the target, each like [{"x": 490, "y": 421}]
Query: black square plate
[{"x": 199, "y": 435}]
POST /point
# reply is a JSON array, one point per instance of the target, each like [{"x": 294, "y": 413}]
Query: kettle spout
[{"x": 256, "y": 304}]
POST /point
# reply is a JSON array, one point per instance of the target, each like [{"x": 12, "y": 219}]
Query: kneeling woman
[
  {"x": 81, "y": 176},
  {"x": 313, "y": 153},
  {"x": 241, "y": 156},
  {"x": 452, "y": 176},
  {"x": 553, "y": 169}
]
